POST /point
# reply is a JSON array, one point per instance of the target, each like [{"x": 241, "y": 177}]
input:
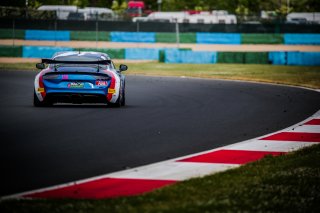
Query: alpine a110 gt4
[{"x": 79, "y": 77}]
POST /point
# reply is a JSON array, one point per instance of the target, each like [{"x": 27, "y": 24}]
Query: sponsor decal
[
  {"x": 40, "y": 89},
  {"x": 76, "y": 85},
  {"x": 111, "y": 91},
  {"x": 101, "y": 83}
]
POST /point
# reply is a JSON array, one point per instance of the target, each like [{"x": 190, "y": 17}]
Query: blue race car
[{"x": 79, "y": 77}]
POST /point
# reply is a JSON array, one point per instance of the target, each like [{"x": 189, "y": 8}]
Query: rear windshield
[{"x": 76, "y": 58}]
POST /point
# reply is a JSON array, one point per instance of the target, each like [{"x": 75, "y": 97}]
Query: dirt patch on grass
[{"x": 8, "y": 60}]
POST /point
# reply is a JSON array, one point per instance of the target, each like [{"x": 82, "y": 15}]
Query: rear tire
[
  {"x": 38, "y": 103},
  {"x": 123, "y": 100},
  {"x": 117, "y": 104}
]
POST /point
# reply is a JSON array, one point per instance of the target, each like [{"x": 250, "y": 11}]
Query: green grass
[
  {"x": 18, "y": 66},
  {"x": 287, "y": 183},
  {"x": 291, "y": 75}
]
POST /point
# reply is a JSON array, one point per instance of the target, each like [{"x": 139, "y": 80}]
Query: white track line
[
  {"x": 272, "y": 146},
  {"x": 174, "y": 171}
]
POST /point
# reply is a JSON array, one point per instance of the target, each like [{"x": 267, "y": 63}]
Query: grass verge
[
  {"x": 287, "y": 183},
  {"x": 291, "y": 75}
]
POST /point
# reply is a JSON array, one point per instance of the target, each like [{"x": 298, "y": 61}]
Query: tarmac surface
[{"x": 164, "y": 118}]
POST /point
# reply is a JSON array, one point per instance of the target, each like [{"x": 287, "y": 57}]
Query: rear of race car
[
  {"x": 79, "y": 77},
  {"x": 68, "y": 86}
]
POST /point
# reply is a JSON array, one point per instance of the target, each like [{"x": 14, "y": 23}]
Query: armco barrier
[
  {"x": 278, "y": 58},
  {"x": 218, "y": 38},
  {"x": 176, "y": 55},
  {"x": 10, "y": 51},
  {"x": 231, "y": 57},
  {"x": 162, "y": 52},
  {"x": 243, "y": 57},
  {"x": 171, "y": 56},
  {"x": 190, "y": 57},
  {"x": 161, "y": 55},
  {"x": 308, "y": 39},
  {"x": 256, "y": 58},
  {"x": 89, "y": 36},
  {"x": 47, "y": 35},
  {"x": 303, "y": 58},
  {"x": 188, "y": 38},
  {"x": 166, "y": 38},
  {"x": 116, "y": 53},
  {"x": 113, "y": 53},
  {"x": 198, "y": 57},
  {"x": 41, "y": 51},
  {"x": 172, "y": 37},
  {"x": 132, "y": 37},
  {"x": 9, "y": 34},
  {"x": 261, "y": 38},
  {"x": 142, "y": 54}
]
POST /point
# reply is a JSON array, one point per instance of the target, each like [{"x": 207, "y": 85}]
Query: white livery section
[{"x": 36, "y": 87}]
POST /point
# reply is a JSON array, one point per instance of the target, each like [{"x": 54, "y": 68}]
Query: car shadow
[{"x": 85, "y": 106}]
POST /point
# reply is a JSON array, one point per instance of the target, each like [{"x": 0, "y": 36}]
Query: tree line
[{"x": 239, "y": 7}]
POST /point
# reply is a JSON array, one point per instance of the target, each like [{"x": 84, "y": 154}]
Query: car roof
[{"x": 97, "y": 55}]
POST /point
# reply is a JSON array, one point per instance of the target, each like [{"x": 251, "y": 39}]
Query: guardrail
[
  {"x": 218, "y": 38},
  {"x": 150, "y": 37},
  {"x": 50, "y": 35},
  {"x": 307, "y": 39},
  {"x": 42, "y": 51},
  {"x": 173, "y": 55}
]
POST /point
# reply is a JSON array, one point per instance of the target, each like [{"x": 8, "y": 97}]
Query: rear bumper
[{"x": 76, "y": 98}]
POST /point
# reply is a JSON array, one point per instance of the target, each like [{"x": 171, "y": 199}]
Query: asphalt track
[{"x": 164, "y": 118}]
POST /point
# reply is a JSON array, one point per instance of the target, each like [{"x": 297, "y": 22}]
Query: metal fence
[{"x": 128, "y": 26}]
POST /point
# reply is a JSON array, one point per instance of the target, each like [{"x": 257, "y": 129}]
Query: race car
[{"x": 79, "y": 77}]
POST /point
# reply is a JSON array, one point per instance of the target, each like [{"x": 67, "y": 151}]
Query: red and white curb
[{"x": 147, "y": 178}]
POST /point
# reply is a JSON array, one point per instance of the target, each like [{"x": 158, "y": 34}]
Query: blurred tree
[
  {"x": 98, "y": 3},
  {"x": 313, "y": 6},
  {"x": 16, "y": 3},
  {"x": 242, "y": 10},
  {"x": 283, "y": 11},
  {"x": 232, "y": 6},
  {"x": 115, "y": 5},
  {"x": 118, "y": 7},
  {"x": 152, "y": 4},
  {"x": 80, "y": 3},
  {"x": 123, "y": 6}
]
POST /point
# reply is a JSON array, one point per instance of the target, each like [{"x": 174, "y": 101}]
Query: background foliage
[{"x": 243, "y": 7}]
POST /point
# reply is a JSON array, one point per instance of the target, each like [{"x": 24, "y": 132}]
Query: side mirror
[
  {"x": 40, "y": 66},
  {"x": 123, "y": 67}
]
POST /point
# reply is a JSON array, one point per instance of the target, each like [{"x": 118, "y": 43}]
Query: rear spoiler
[{"x": 50, "y": 61}]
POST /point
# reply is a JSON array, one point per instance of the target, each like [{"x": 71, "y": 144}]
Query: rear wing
[{"x": 51, "y": 61}]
